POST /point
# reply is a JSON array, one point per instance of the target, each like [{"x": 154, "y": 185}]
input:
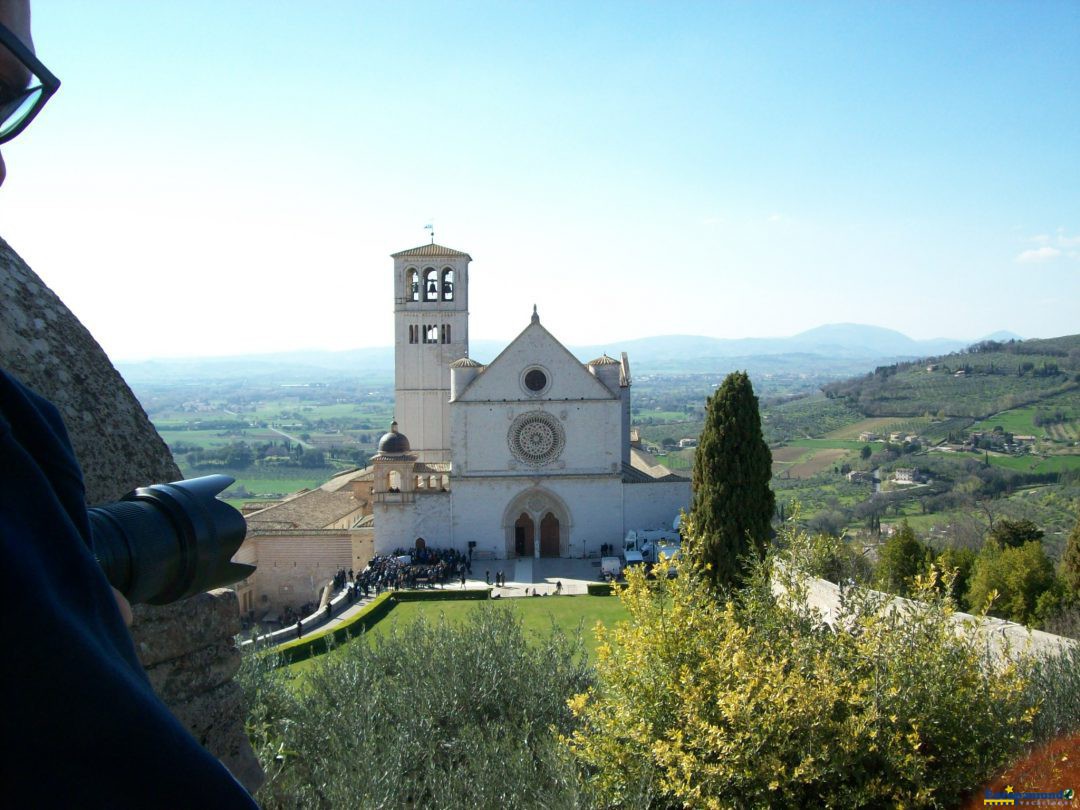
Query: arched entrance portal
[
  {"x": 523, "y": 536},
  {"x": 549, "y": 536},
  {"x": 537, "y": 524}
]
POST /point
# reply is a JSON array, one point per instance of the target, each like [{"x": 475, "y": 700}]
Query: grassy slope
[{"x": 537, "y": 615}]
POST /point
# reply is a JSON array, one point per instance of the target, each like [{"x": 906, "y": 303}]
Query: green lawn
[
  {"x": 678, "y": 459},
  {"x": 1017, "y": 421},
  {"x": 282, "y": 486},
  {"x": 1037, "y": 464},
  {"x": 537, "y": 615},
  {"x": 208, "y": 438}
]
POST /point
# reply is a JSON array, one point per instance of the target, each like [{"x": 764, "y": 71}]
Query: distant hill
[
  {"x": 1002, "y": 336},
  {"x": 833, "y": 341},
  {"x": 991, "y": 376},
  {"x": 832, "y": 350}
]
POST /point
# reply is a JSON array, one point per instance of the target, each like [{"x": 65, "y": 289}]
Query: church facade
[{"x": 528, "y": 456}]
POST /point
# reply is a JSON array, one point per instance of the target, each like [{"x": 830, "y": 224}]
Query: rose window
[{"x": 536, "y": 438}]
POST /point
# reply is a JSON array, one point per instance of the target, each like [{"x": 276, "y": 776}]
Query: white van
[
  {"x": 611, "y": 566},
  {"x": 647, "y": 541}
]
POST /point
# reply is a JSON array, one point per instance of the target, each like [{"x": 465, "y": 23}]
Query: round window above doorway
[
  {"x": 535, "y": 381},
  {"x": 536, "y": 438}
]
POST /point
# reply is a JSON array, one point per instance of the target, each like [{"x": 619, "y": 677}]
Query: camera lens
[{"x": 167, "y": 542}]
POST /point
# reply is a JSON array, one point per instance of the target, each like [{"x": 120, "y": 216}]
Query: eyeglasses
[{"x": 18, "y": 107}]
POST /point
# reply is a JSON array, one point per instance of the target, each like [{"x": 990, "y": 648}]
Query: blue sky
[{"x": 218, "y": 178}]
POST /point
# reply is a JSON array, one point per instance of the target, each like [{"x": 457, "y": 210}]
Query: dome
[
  {"x": 393, "y": 443},
  {"x": 466, "y": 362},
  {"x": 603, "y": 360}
]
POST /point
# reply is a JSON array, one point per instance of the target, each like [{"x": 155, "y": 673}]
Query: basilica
[{"x": 528, "y": 456}]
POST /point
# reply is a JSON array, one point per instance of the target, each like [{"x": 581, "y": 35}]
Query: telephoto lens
[{"x": 166, "y": 542}]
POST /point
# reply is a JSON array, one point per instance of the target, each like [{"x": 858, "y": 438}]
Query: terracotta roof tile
[
  {"x": 315, "y": 509},
  {"x": 430, "y": 251}
]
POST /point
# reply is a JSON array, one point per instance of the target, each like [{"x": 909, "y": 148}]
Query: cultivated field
[
  {"x": 820, "y": 461},
  {"x": 881, "y": 425},
  {"x": 805, "y": 458}
]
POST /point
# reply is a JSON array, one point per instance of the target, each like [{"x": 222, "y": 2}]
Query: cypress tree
[
  {"x": 1070, "y": 562},
  {"x": 733, "y": 505}
]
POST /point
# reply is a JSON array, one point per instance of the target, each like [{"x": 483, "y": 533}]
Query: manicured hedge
[
  {"x": 437, "y": 594},
  {"x": 599, "y": 588},
  {"x": 317, "y": 643}
]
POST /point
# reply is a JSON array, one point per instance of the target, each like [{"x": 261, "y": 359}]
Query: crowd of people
[{"x": 405, "y": 568}]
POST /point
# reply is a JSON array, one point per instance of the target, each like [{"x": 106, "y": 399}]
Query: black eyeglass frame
[{"x": 49, "y": 83}]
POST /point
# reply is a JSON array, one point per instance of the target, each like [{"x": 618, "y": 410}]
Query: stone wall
[
  {"x": 186, "y": 647},
  {"x": 654, "y": 505},
  {"x": 294, "y": 566},
  {"x": 1001, "y": 637}
]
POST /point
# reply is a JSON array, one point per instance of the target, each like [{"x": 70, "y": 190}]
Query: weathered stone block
[{"x": 170, "y": 631}]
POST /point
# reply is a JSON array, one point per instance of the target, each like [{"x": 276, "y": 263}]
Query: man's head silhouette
[{"x": 25, "y": 84}]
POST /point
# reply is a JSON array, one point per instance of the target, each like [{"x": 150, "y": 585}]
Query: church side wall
[
  {"x": 398, "y": 525},
  {"x": 294, "y": 568},
  {"x": 654, "y": 505}
]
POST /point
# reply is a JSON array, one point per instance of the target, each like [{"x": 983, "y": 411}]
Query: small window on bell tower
[
  {"x": 448, "y": 284},
  {"x": 431, "y": 284}
]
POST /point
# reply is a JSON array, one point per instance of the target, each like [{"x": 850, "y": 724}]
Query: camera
[{"x": 166, "y": 542}]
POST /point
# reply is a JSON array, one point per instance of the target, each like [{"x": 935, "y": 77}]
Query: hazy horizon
[
  {"x": 505, "y": 340},
  {"x": 227, "y": 179}
]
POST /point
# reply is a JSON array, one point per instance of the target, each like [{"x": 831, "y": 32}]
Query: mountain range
[{"x": 831, "y": 348}]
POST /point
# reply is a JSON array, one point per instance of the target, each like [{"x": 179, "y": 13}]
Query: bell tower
[{"x": 431, "y": 331}]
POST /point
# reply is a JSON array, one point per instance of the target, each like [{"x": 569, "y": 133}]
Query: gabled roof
[
  {"x": 314, "y": 509},
  {"x": 643, "y": 468},
  {"x": 432, "y": 467},
  {"x": 657, "y": 474},
  {"x": 494, "y": 369},
  {"x": 430, "y": 251}
]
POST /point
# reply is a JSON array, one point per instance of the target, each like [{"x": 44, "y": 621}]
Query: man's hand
[{"x": 125, "y": 607}]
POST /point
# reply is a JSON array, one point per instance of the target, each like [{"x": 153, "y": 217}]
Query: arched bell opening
[
  {"x": 412, "y": 284},
  {"x": 431, "y": 284}
]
